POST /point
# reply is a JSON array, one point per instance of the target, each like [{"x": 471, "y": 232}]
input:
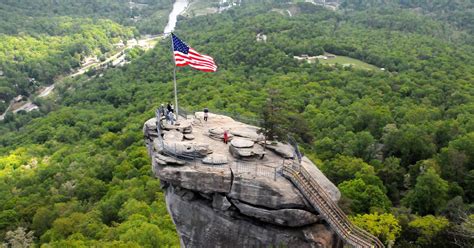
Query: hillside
[
  {"x": 398, "y": 143},
  {"x": 149, "y": 16},
  {"x": 43, "y": 40}
]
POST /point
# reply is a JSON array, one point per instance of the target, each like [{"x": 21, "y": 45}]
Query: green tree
[
  {"x": 132, "y": 207},
  {"x": 136, "y": 229},
  {"x": 43, "y": 220},
  {"x": 344, "y": 168},
  {"x": 427, "y": 227},
  {"x": 411, "y": 143},
  {"x": 392, "y": 175},
  {"x": 363, "y": 197},
  {"x": 429, "y": 194},
  {"x": 273, "y": 118},
  {"x": 383, "y": 226}
]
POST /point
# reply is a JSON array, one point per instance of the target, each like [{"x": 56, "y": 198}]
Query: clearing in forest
[{"x": 347, "y": 61}]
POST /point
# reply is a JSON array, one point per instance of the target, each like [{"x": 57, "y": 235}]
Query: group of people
[
  {"x": 168, "y": 112},
  {"x": 170, "y": 117}
]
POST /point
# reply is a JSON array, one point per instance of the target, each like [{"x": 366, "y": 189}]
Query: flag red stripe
[
  {"x": 194, "y": 52},
  {"x": 178, "y": 54},
  {"x": 203, "y": 67},
  {"x": 190, "y": 61},
  {"x": 200, "y": 59},
  {"x": 201, "y": 63},
  {"x": 197, "y": 66},
  {"x": 195, "y": 60},
  {"x": 183, "y": 60}
]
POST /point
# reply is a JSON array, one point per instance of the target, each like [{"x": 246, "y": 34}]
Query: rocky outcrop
[
  {"x": 246, "y": 153},
  {"x": 248, "y": 132},
  {"x": 188, "y": 136},
  {"x": 267, "y": 193},
  {"x": 215, "y": 159},
  {"x": 183, "y": 148},
  {"x": 200, "y": 225},
  {"x": 165, "y": 160},
  {"x": 229, "y": 195},
  {"x": 173, "y": 135},
  {"x": 281, "y": 217},
  {"x": 220, "y": 202},
  {"x": 242, "y": 143},
  {"x": 183, "y": 126},
  {"x": 218, "y": 133},
  {"x": 281, "y": 149},
  {"x": 206, "y": 180},
  {"x": 244, "y": 148}
]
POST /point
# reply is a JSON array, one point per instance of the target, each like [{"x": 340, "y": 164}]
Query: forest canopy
[{"x": 397, "y": 142}]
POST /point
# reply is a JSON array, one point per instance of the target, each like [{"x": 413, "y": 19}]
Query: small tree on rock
[{"x": 273, "y": 117}]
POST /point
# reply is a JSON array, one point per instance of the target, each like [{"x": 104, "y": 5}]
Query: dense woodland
[
  {"x": 398, "y": 143},
  {"x": 17, "y": 16},
  {"x": 43, "y": 40},
  {"x": 458, "y": 13}
]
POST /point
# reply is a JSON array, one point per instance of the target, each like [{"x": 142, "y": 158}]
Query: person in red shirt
[{"x": 226, "y": 136}]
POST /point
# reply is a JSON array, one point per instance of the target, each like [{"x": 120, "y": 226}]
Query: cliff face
[{"x": 233, "y": 195}]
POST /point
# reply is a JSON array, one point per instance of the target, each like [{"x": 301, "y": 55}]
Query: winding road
[{"x": 179, "y": 7}]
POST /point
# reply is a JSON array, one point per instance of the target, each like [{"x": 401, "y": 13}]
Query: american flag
[{"x": 185, "y": 55}]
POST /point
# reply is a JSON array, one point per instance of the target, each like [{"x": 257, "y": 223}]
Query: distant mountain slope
[
  {"x": 138, "y": 13},
  {"x": 29, "y": 61},
  {"x": 41, "y": 40},
  {"x": 459, "y": 13}
]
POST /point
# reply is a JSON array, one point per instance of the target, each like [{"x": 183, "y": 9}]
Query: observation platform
[{"x": 249, "y": 181}]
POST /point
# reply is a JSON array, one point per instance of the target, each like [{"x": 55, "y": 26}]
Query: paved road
[
  {"x": 46, "y": 91},
  {"x": 115, "y": 58},
  {"x": 2, "y": 116}
]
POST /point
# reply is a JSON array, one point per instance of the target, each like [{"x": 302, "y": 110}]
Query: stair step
[{"x": 333, "y": 215}]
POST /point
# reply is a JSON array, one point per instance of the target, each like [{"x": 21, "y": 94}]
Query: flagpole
[{"x": 174, "y": 78}]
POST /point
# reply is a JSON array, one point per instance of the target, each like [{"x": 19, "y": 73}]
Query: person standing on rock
[
  {"x": 226, "y": 136},
  {"x": 162, "y": 110},
  {"x": 206, "y": 113},
  {"x": 171, "y": 117},
  {"x": 169, "y": 108},
  {"x": 167, "y": 116}
]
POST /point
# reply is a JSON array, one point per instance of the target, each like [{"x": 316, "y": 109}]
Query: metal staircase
[{"x": 328, "y": 209}]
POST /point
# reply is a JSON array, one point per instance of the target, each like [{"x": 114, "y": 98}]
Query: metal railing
[
  {"x": 296, "y": 151},
  {"x": 319, "y": 199},
  {"x": 234, "y": 115},
  {"x": 158, "y": 115},
  {"x": 322, "y": 202},
  {"x": 183, "y": 112},
  {"x": 255, "y": 167}
]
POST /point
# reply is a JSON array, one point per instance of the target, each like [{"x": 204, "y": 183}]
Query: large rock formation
[{"x": 233, "y": 195}]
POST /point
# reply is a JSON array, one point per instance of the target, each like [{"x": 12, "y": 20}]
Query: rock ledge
[{"x": 232, "y": 195}]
